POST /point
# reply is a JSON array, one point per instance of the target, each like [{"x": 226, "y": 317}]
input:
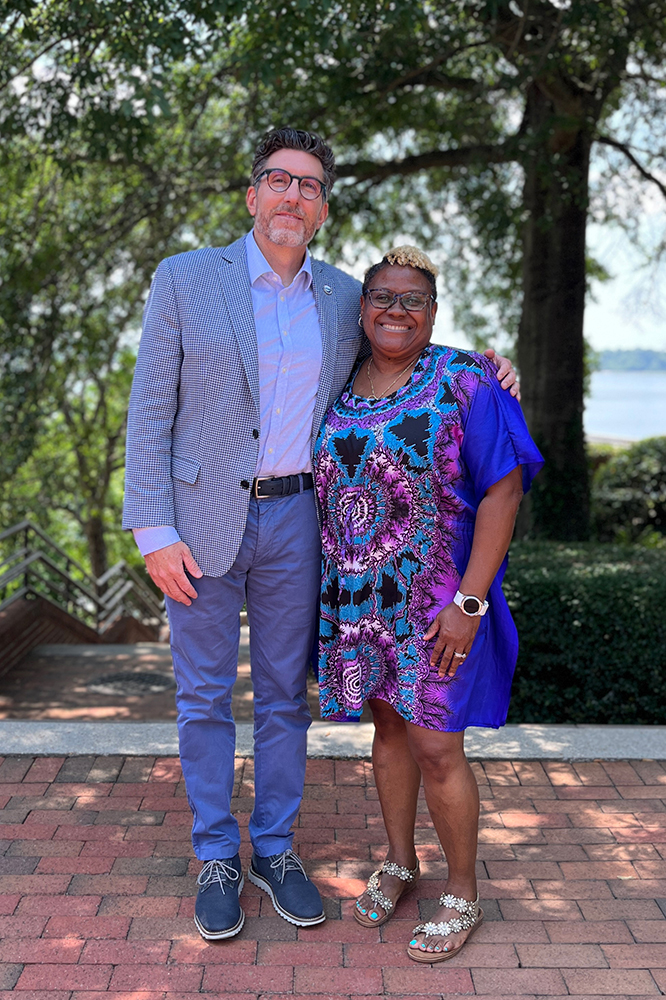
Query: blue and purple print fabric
[{"x": 399, "y": 481}]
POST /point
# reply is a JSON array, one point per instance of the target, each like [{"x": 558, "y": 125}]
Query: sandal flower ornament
[
  {"x": 409, "y": 876},
  {"x": 471, "y": 917}
]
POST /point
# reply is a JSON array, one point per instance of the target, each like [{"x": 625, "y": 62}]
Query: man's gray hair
[{"x": 295, "y": 138}]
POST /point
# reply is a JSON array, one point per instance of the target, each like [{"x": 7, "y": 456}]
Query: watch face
[{"x": 471, "y": 605}]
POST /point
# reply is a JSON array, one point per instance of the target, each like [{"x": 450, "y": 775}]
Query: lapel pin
[{"x": 328, "y": 289}]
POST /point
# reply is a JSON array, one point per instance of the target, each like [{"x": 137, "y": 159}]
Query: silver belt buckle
[{"x": 256, "y": 486}]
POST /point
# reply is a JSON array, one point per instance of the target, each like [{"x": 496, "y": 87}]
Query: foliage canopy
[{"x": 486, "y": 131}]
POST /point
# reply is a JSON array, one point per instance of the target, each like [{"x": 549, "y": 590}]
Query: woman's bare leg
[
  {"x": 453, "y": 802},
  {"x": 398, "y": 779}
]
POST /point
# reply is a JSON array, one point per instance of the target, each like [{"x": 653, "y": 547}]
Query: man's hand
[
  {"x": 167, "y": 571},
  {"x": 506, "y": 374}
]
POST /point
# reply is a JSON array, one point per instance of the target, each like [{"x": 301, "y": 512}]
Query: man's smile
[{"x": 285, "y": 213}]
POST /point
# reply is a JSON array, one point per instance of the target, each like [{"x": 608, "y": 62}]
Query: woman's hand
[{"x": 455, "y": 633}]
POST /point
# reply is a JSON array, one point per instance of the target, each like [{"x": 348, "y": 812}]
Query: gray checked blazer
[{"x": 192, "y": 437}]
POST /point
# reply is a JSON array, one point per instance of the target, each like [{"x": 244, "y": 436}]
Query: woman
[{"x": 420, "y": 467}]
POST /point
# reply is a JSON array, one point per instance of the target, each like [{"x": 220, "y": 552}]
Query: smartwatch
[{"x": 470, "y": 605}]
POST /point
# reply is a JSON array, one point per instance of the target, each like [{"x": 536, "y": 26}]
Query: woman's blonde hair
[
  {"x": 409, "y": 256},
  {"x": 405, "y": 256}
]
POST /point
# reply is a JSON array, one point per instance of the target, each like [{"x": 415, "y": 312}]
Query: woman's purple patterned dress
[{"x": 399, "y": 481}]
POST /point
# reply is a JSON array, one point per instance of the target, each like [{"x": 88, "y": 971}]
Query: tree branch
[
  {"x": 647, "y": 78},
  {"x": 20, "y": 70},
  {"x": 365, "y": 170},
  {"x": 520, "y": 28},
  {"x": 443, "y": 81},
  {"x": 549, "y": 44},
  {"x": 11, "y": 24},
  {"x": 428, "y": 74},
  {"x": 607, "y": 141},
  {"x": 413, "y": 76}
]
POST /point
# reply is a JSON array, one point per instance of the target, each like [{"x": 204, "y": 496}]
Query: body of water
[{"x": 626, "y": 405}]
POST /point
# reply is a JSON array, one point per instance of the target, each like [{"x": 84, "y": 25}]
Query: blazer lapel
[
  {"x": 327, "y": 309},
  {"x": 235, "y": 280}
]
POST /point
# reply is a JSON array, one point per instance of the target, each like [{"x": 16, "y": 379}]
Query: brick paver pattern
[{"x": 97, "y": 883}]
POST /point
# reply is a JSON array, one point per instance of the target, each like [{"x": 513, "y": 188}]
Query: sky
[{"x": 630, "y": 310}]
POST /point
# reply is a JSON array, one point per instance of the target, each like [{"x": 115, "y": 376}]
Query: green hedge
[
  {"x": 629, "y": 492},
  {"x": 592, "y": 625}
]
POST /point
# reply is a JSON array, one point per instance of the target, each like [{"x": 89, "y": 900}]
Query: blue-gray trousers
[{"x": 277, "y": 573}]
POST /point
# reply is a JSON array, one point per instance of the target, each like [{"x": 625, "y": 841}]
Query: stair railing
[{"x": 39, "y": 567}]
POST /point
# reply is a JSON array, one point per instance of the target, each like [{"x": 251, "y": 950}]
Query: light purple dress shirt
[{"x": 290, "y": 353}]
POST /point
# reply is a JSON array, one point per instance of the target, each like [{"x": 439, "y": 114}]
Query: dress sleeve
[{"x": 496, "y": 438}]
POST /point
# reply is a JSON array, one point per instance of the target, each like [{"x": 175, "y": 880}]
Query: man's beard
[{"x": 277, "y": 232}]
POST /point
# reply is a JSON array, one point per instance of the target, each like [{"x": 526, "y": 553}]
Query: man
[{"x": 243, "y": 350}]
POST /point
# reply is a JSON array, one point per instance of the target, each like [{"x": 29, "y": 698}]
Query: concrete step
[{"x": 528, "y": 742}]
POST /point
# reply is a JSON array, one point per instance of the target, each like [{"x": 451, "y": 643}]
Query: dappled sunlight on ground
[{"x": 53, "y": 683}]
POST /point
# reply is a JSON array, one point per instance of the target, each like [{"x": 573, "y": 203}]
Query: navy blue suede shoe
[
  {"x": 217, "y": 912},
  {"x": 292, "y": 893}
]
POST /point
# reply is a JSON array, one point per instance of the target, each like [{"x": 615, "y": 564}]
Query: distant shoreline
[
  {"x": 636, "y": 360},
  {"x": 615, "y": 442}
]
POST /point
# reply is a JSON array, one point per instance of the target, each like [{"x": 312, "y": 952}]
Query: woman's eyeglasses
[
  {"x": 381, "y": 298},
  {"x": 280, "y": 180}
]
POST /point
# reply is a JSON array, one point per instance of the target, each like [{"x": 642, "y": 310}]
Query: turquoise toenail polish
[
  {"x": 412, "y": 943},
  {"x": 373, "y": 916}
]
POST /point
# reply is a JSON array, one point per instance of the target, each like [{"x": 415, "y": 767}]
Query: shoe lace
[
  {"x": 217, "y": 871},
  {"x": 288, "y": 861}
]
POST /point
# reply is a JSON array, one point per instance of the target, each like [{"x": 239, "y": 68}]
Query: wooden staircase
[{"x": 48, "y": 597}]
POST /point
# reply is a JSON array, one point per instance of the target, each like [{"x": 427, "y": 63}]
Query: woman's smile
[{"x": 394, "y": 328}]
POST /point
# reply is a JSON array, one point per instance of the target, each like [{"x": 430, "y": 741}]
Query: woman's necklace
[{"x": 399, "y": 375}]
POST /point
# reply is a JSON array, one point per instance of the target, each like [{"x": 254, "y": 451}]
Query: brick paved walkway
[{"x": 97, "y": 886}]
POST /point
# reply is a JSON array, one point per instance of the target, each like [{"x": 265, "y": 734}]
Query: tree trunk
[
  {"x": 550, "y": 338},
  {"x": 97, "y": 545}
]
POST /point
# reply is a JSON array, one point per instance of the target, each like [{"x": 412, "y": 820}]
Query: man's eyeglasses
[
  {"x": 381, "y": 298},
  {"x": 280, "y": 180}
]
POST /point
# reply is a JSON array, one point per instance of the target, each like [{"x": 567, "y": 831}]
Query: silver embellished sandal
[
  {"x": 471, "y": 917},
  {"x": 409, "y": 877}
]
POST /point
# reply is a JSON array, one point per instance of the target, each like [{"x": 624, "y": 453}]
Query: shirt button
[
  {"x": 284, "y": 371},
  {"x": 285, "y": 332},
  {"x": 278, "y": 410},
  {"x": 270, "y": 451},
  {"x": 282, "y": 298},
  {"x": 244, "y": 483},
  {"x": 255, "y": 433}
]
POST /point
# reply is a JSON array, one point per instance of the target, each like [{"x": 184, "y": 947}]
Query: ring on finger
[{"x": 461, "y": 656}]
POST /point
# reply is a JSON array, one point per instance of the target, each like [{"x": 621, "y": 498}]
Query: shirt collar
[{"x": 259, "y": 267}]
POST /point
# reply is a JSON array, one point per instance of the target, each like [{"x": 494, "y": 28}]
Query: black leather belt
[{"x": 281, "y": 486}]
